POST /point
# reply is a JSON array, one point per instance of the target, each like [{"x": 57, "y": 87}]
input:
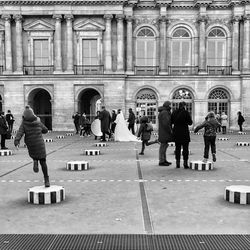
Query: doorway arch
[
  {"x": 40, "y": 101},
  {"x": 89, "y": 102}
]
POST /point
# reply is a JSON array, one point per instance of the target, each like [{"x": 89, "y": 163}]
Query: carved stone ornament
[
  {"x": 146, "y": 20},
  {"x": 108, "y": 16},
  {"x": 69, "y": 17},
  {"x": 119, "y": 16},
  {"x": 236, "y": 19},
  {"x": 57, "y": 17},
  {"x": 246, "y": 17},
  {"x": 6, "y": 17},
  {"x": 203, "y": 18},
  {"x": 18, "y": 17}
]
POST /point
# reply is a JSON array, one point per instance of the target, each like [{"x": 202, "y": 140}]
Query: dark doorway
[{"x": 40, "y": 101}]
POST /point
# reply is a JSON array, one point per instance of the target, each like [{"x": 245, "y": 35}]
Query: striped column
[
  {"x": 77, "y": 165},
  {"x": 92, "y": 152},
  {"x": 239, "y": 194},
  {"x": 199, "y": 165}
]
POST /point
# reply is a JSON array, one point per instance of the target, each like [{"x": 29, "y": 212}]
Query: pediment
[
  {"x": 39, "y": 25},
  {"x": 89, "y": 25}
]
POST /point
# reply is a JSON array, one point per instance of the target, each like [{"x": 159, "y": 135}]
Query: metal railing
[
  {"x": 147, "y": 70},
  {"x": 88, "y": 69},
  {"x": 183, "y": 70},
  {"x": 38, "y": 70},
  {"x": 219, "y": 70}
]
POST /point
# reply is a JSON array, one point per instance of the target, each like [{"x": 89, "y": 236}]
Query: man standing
[
  {"x": 105, "y": 123},
  {"x": 3, "y": 130},
  {"x": 165, "y": 132},
  {"x": 181, "y": 119},
  {"x": 76, "y": 118},
  {"x": 10, "y": 120},
  {"x": 131, "y": 121}
]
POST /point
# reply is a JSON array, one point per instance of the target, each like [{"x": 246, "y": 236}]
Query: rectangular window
[
  {"x": 145, "y": 53},
  {"x": 216, "y": 53},
  {"x": 41, "y": 52},
  {"x": 89, "y": 52},
  {"x": 181, "y": 53}
]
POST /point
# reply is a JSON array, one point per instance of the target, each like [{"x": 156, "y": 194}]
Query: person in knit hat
[{"x": 32, "y": 129}]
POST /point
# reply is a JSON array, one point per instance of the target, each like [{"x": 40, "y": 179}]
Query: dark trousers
[
  {"x": 224, "y": 129},
  {"x": 10, "y": 125},
  {"x": 185, "y": 152},
  {"x": 3, "y": 138},
  {"x": 209, "y": 142},
  {"x": 240, "y": 125},
  {"x": 77, "y": 127},
  {"x": 132, "y": 127},
  {"x": 113, "y": 127},
  {"x": 43, "y": 165},
  {"x": 146, "y": 143},
  {"x": 163, "y": 152},
  {"x": 104, "y": 135}
]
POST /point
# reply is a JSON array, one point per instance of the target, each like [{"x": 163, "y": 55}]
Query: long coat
[
  {"x": 181, "y": 119},
  {"x": 165, "y": 127},
  {"x": 3, "y": 125},
  {"x": 33, "y": 130},
  {"x": 105, "y": 121}
]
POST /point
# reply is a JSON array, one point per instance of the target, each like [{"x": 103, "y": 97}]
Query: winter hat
[
  {"x": 144, "y": 119},
  {"x": 28, "y": 114},
  {"x": 167, "y": 104},
  {"x": 211, "y": 114}
]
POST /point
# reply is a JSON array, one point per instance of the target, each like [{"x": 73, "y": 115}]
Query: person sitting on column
[
  {"x": 131, "y": 121},
  {"x": 10, "y": 120},
  {"x": 145, "y": 133},
  {"x": 32, "y": 128},
  {"x": 210, "y": 125}
]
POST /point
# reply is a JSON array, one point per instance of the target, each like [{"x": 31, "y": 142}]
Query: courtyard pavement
[{"x": 126, "y": 193}]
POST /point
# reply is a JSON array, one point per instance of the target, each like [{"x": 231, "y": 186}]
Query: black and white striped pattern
[
  {"x": 77, "y": 165},
  {"x": 5, "y": 152},
  {"x": 69, "y": 134},
  {"x": 171, "y": 144},
  {"x": 60, "y": 136},
  {"x": 49, "y": 131},
  {"x": 101, "y": 144},
  {"x": 48, "y": 140},
  {"x": 239, "y": 194},
  {"x": 198, "y": 133},
  {"x": 223, "y": 139},
  {"x": 242, "y": 133},
  {"x": 92, "y": 151},
  {"x": 243, "y": 143},
  {"x": 43, "y": 195},
  {"x": 199, "y": 165},
  {"x": 12, "y": 137}
]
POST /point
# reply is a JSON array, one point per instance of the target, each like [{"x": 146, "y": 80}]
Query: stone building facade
[{"x": 63, "y": 56}]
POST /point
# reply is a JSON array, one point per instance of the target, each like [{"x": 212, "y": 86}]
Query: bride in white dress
[{"x": 121, "y": 130}]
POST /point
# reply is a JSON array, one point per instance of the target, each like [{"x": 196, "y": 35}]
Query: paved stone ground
[{"x": 124, "y": 193}]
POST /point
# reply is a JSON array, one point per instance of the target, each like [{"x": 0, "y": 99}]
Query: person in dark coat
[
  {"x": 165, "y": 132},
  {"x": 32, "y": 128},
  {"x": 240, "y": 120},
  {"x": 131, "y": 121},
  {"x": 105, "y": 119},
  {"x": 3, "y": 130},
  {"x": 76, "y": 119},
  {"x": 145, "y": 133},
  {"x": 113, "y": 124},
  {"x": 180, "y": 120},
  {"x": 10, "y": 120}
]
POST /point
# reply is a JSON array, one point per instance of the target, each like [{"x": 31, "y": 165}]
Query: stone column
[
  {"x": 19, "y": 45},
  {"x": 163, "y": 45},
  {"x": 129, "y": 45},
  {"x": 246, "y": 45},
  {"x": 235, "y": 45},
  {"x": 107, "y": 44},
  {"x": 58, "y": 44},
  {"x": 202, "y": 44},
  {"x": 70, "y": 51},
  {"x": 8, "y": 48},
  {"x": 120, "y": 43}
]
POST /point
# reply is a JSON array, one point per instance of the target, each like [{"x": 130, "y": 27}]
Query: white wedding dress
[{"x": 121, "y": 130}]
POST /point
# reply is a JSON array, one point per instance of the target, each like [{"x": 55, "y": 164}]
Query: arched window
[
  {"x": 146, "y": 104},
  {"x": 216, "y": 48},
  {"x": 181, "y": 48},
  {"x": 145, "y": 47},
  {"x": 183, "y": 95},
  {"x": 218, "y": 101}
]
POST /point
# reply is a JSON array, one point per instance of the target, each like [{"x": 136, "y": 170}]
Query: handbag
[{"x": 8, "y": 135}]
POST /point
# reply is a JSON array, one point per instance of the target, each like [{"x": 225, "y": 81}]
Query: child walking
[
  {"x": 145, "y": 133},
  {"x": 210, "y": 125},
  {"x": 32, "y": 129}
]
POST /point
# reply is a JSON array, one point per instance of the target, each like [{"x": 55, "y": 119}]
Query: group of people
[{"x": 6, "y": 127}]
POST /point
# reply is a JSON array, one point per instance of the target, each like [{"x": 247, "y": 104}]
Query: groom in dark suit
[{"x": 105, "y": 123}]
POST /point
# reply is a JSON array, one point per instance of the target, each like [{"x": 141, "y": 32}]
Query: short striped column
[
  {"x": 69, "y": 134},
  {"x": 171, "y": 144},
  {"x": 77, "y": 165},
  {"x": 231, "y": 131},
  {"x": 92, "y": 151},
  {"x": 49, "y": 131},
  {"x": 48, "y": 140},
  {"x": 242, "y": 133},
  {"x": 101, "y": 144},
  {"x": 155, "y": 134},
  {"x": 42, "y": 195},
  {"x": 239, "y": 194},
  {"x": 60, "y": 137},
  {"x": 12, "y": 137},
  {"x": 198, "y": 133},
  {"x": 5, "y": 152},
  {"x": 243, "y": 144},
  {"x": 200, "y": 165},
  {"x": 223, "y": 139}
]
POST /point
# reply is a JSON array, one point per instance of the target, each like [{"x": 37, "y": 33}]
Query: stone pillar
[
  {"x": 8, "y": 48},
  {"x": 246, "y": 45},
  {"x": 107, "y": 44},
  {"x": 235, "y": 45},
  {"x": 202, "y": 44},
  {"x": 120, "y": 44},
  {"x": 163, "y": 45},
  {"x": 70, "y": 51},
  {"x": 129, "y": 45},
  {"x": 19, "y": 45},
  {"x": 58, "y": 44}
]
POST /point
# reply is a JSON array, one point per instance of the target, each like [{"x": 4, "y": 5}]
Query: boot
[
  {"x": 185, "y": 164},
  {"x": 46, "y": 181},
  {"x": 177, "y": 163},
  {"x": 35, "y": 166}
]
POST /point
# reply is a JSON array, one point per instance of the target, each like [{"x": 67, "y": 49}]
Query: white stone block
[{"x": 239, "y": 194}]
